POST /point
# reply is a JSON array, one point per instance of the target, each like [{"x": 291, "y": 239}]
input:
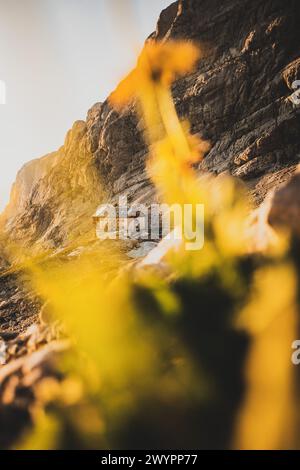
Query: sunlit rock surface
[{"x": 239, "y": 98}]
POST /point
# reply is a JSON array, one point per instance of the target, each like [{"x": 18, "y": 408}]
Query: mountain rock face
[
  {"x": 239, "y": 98},
  {"x": 53, "y": 197}
]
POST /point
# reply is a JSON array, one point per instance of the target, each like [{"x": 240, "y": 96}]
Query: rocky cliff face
[
  {"x": 53, "y": 197},
  {"x": 238, "y": 98}
]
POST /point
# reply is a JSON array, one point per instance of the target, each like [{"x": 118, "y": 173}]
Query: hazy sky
[{"x": 57, "y": 58}]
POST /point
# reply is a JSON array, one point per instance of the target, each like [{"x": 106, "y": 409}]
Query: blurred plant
[{"x": 161, "y": 354}]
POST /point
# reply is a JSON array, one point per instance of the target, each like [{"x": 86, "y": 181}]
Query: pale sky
[{"x": 58, "y": 58}]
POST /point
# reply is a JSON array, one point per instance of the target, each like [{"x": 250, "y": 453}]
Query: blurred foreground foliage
[{"x": 193, "y": 352}]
